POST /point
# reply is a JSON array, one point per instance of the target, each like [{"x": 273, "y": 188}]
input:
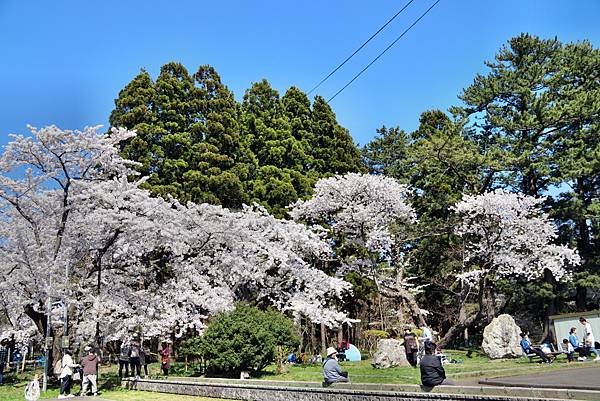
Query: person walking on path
[
  {"x": 528, "y": 349},
  {"x": 432, "y": 371},
  {"x": 332, "y": 372},
  {"x": 3, "y": 358},
  {"x": 588, "y": 338},
  {"x": 89, "y": 364},
  {"x": 66, "y": 374}
]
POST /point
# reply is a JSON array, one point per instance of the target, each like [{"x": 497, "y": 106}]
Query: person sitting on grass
[
  {"x": 332, "y": 372},
  {"x": 432, "y": 372},
  {"x": 528, "y": 349}
]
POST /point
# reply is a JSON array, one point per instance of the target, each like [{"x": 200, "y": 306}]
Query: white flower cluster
[
  {"x": 508, "y": 235},
  {"x": 359, "y": 206},
  {"x": 77, "y": 229}
]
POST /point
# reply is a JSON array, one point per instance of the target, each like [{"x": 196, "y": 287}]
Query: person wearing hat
[
  {"x": 332, "y": 372},
  {"x": 89, "y": 364}
]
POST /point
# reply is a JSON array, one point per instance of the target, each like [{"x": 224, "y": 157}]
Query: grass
[
  {"x": 14, "y": 389},
  {"x": 470, "y": 367}
]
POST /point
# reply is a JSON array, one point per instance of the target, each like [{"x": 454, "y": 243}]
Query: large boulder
[
  {"x": 389, "y": 353},
  {"x": 501, "y": 338}
]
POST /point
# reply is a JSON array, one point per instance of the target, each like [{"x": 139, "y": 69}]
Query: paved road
[{"x": 578, "y": 379}]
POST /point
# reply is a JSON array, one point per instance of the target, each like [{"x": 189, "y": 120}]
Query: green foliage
[
  {"x": 378, "y": 334},
  {"x": 529, "y": 122},
  {"x": 245, "y": 339},
  {"x": 196, "y": 143},
  {"x": 191, "y": 347}
]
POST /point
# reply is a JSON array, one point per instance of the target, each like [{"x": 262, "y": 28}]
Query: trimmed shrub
[{"x": 245, "y": 339}]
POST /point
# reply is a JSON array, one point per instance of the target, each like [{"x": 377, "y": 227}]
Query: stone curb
[{"x": 309, "y": 391}]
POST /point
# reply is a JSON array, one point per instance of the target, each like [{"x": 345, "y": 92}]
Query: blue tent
[{"x": 352, "y": 353}]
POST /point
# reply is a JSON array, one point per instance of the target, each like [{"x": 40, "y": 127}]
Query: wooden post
[{"x": 24, "y": 358}]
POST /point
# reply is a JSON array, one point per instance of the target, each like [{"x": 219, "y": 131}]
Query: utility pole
[
  {"x": 47, "y": 340},
  {"x": 65, "y": 339}
]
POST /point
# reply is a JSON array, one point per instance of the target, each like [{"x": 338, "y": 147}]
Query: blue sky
[{"x": 64, "y": 62}]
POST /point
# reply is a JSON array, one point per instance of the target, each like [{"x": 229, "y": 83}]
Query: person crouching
[{"x": 332, "y": 372}]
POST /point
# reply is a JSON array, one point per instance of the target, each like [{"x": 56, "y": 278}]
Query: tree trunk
[
  {"x": 552, "y": 307},
  {"x": 323, "y": 338},
  {"x": 460, "y": 326},
  {"x": 313, "y": 338},
  {"x": 584, "y": 246},
  {"x": 38, "y": 318}
]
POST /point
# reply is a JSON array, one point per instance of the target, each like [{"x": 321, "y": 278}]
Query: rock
[
  {"x": 501, "y": 338},
  {"x": 389, "y": 353}
]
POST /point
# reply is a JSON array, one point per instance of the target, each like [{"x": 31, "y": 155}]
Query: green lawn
[
  {"x": 14, "y": 389},
  {"x": 470, "y": 367}
]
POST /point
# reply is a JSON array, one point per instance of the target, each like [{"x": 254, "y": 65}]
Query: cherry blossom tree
[
  {"x": 506, "y": 236},
  {"x": 366, "y": 216},
  {"x": 74, "y": 227}
]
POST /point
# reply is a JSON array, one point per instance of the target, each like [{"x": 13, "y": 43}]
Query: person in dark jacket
[
  {"x": 3, "y": 357},
  {"x": 89, "y": 365},
  {"x": 411, "y": 346},
  {"x": 432, "y": 372}
]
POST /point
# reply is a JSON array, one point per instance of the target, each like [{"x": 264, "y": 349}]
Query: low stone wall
[{"x": 258, "y": 390}]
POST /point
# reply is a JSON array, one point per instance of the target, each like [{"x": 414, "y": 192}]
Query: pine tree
[{"x": 518, "y": 109}]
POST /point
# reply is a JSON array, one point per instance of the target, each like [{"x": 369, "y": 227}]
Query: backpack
[
  {"x": 411, "y": 342},
  {"x": 58, "y": 367}
]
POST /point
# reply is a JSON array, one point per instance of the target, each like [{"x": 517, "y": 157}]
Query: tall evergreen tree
[
  {"x": 134, "y": 109},
  {"x": 218, "y": 158},
  {"x": 176, "y": 107},
  {"x": 280, "y": 178},
  {"x": 198, "y": 144},
  {"x": 334, "y": 151},
  {"x": 577, "y": 154},
  {"x": 517, "y": 112}
]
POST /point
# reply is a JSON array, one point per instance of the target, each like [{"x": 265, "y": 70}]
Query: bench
[{"x": 553, "y": 354}]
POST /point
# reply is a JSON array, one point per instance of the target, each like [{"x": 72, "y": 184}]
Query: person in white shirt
[
  {"x": 588, "y": 337},
  {"x": 427, "y": 334},
  {"x": 66, "y": 374}
]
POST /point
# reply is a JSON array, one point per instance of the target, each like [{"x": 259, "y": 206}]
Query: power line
[
  {"x": 361, "y": 46},
  {"x": 383, "y": 52}
]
